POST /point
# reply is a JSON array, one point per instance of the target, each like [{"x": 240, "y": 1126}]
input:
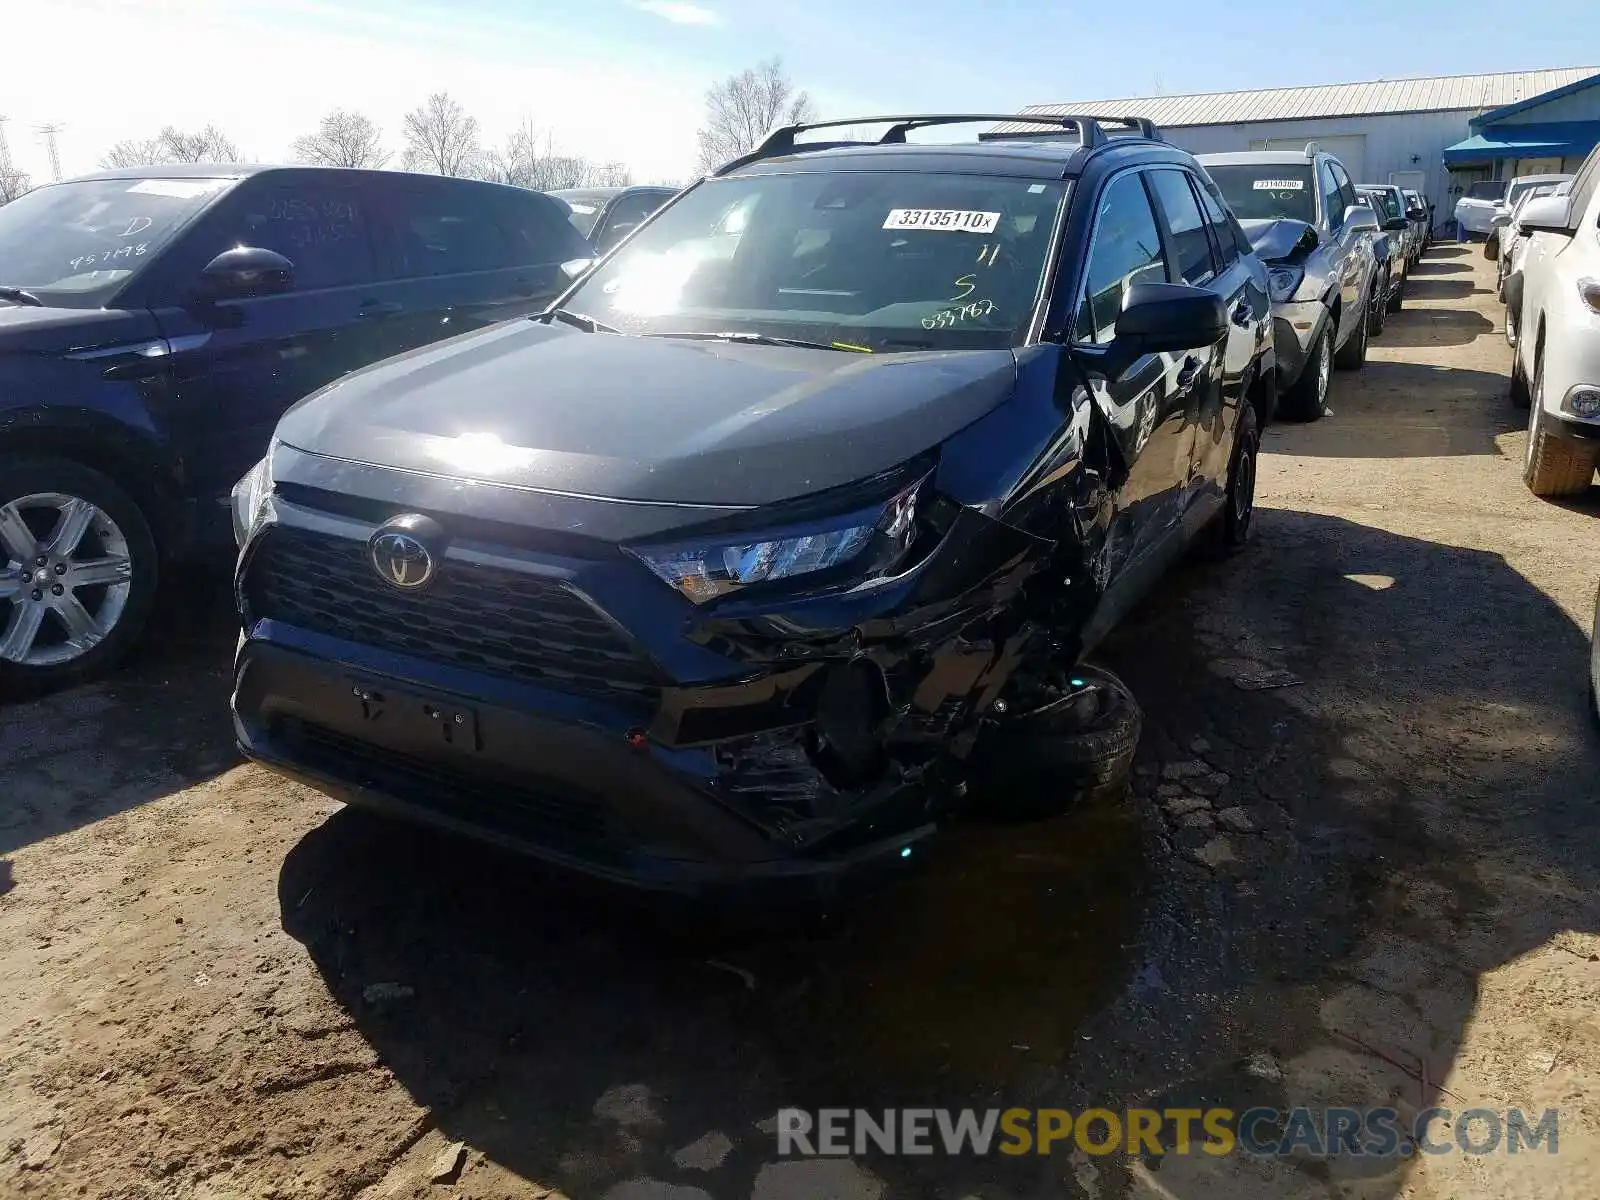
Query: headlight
[
  {"x": 1285, "y": 281},
  {"x": 248, "y": 498},
  {"x": 872, "y": 543}
]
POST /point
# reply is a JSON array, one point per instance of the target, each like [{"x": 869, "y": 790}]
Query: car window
[
  {"x": 629, "y": 212},
  {"x": 1190, "y": 244},
  {"x": 1487, "y": 189},
  {"x": 1269, "y": 191},
  {"x": 1347, "y": 190},
  {"x": 1229, "y": 239},
  {"x": 319, "y": 226},
  {"x": 1125, "y": 249},
  {"x": 1329, "y": 187},
  {"x": 444, "y": 230},
  {"x": 891, "y": 261},
  {"x": 538, "y": 231}
]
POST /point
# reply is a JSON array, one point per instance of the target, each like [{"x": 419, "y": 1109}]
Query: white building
[{"x": 1387, "y": 131}]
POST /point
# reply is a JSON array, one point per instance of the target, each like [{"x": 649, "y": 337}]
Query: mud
[{"x": 1375, "y": 884}]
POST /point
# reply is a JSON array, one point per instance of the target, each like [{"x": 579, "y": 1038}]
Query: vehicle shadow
[
  {"x": 1435, "y": 327},
  {"x": 80, "y": 755},
  {"x": 1406, "y": 410},
  {"x": 1424, "y": 290},
  {"x": 1431, "y": 269},
  {"x": 1285, "y": 844}
]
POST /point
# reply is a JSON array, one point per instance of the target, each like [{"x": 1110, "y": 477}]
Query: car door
[
  {"x": 625, "y": 214},
  {"x": 1341, "y": 262},
  {"x": 238, "y": 364},
  {"x": 1147, "y": 406},
  {"x": 1242, "y": 284},
  {"x": 458, "y": 260}
]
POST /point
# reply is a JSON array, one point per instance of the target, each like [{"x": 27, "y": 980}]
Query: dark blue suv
[
  {"x": 785, "y": 532},
  {"x": 155, "y": 324}
]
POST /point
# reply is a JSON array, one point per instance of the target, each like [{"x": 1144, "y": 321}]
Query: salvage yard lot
[{"x": 1375, "y": 887}]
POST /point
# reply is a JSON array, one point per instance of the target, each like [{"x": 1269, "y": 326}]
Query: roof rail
[
  {"x": 1142, "y": 126},
  {"x": 782, "y": 139}
]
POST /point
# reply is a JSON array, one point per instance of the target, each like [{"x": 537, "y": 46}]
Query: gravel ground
[{"x": 1376, "y": 886}]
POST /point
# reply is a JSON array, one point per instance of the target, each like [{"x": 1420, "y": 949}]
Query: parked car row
[{"x": 1552, "y": 293}]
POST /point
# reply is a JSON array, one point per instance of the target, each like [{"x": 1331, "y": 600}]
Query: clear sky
[{"x": 624, "y": 79}]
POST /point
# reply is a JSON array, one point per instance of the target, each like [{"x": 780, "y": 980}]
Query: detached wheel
[
  {"x": 1230, "y": 531},
  {"x": 1073, "y": 744},
  {"x": 78, "y": 571},
  {"x": 1554, "y": 466},
  {"x": 1307, "y": 397},
  {"x": 1352, "y": 355}
]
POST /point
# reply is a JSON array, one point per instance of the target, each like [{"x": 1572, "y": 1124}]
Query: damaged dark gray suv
[{"x": 783, "y": 535}]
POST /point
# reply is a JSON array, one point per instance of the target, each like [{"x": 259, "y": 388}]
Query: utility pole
[{"x": 48, "y": 132}]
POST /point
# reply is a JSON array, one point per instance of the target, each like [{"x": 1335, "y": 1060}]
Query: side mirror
[
  {"x": 615, "y": 233},
  {"x": 574, "y": 267},
  {"x": 1500, "y": 220},
  {"x": 1547, "y": 214},
  {"x": 1358, "y": 218},
  {"x": 243, "y": 272},
  {"x": 1396, "y": 224},
  {"x": 1158, "y": 317}
]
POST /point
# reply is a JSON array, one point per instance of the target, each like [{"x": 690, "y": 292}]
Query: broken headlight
[
  {"x": 1285, "y": 281},
  {"x": 861, "y": 547}
]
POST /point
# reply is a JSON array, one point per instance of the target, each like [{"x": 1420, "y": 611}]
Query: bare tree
[
  {"x": 441, "y": 137},
  {"x": 744, "y": 107},
  {"x": 343, "y": 139},
  {"x": 529, "y": 159},
  {"x": 173, "y": 145},
  {"x": 12, "y": 183},
  {"x": 517, "y": 162},
  {"x": 613, "y": 174}
]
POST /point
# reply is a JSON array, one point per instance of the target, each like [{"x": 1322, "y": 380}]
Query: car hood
[
  {"x": 40, "y": 330},
  {"x": 1277, "y": 240},
  {"x": 651, "y": 419}
]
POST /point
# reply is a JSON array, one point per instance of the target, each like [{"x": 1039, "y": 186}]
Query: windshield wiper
[
  {"x": 763, "y": 339},
  {"x": 580, "y": 320},
  {"x": 20, "y": 296}
]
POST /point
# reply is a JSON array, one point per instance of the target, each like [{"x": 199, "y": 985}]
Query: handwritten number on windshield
[{"x": 945, "y": 318}]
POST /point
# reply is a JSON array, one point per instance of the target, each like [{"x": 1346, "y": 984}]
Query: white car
[
  {"x": 1556, "y": 365},
  {"x": 1512, "y": 244},
  {"x": 1475, "y": 210},
  {"x": 1520, "y": 188}
]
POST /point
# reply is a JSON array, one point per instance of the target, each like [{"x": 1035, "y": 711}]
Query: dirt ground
[{"x": 1376, "y": 886}]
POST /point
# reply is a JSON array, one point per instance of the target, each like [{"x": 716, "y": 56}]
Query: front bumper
[
  {"x": 580, "y": 792},
  {"x": 1295, "y": 328}
]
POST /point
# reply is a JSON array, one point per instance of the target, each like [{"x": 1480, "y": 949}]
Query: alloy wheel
[
  {"x": 1325, "y": 369},
  {"x": 67, "y": 576}
]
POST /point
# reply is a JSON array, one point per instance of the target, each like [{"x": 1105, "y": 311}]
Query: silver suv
[{"x": 1306, "y": 222}]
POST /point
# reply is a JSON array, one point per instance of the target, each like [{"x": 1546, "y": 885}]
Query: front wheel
[
  {"x": 1554, "y": 466},
  {"x": 79, "y": 574},
  {"x": 1230, "y": 531},
  {"x": 1306, "y": 399}
]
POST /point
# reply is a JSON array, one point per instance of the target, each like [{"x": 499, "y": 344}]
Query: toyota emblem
[{"x": 405, "y": 551}]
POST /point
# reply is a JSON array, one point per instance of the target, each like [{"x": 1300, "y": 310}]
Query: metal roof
[{"x": 1445, "y": 93}]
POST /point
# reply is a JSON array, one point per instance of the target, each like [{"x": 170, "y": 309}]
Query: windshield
[
  {"x": 853, "y": 260},
  {"x": 585, "y": 208},
  {"x": 1268, "y": 191},
  {"x": 1487, "y": 189},
  {"x": 73, "y": 244}
]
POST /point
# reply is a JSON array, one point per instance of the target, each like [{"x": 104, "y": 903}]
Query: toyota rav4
[{"x": 796, "y": 513}]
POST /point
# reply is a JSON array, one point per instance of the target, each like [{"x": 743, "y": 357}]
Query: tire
[
  {"x": 1377, "y": 314},
  {"x": 1352, "y": 355},
  {"x": 40, "y": 497},
  {"x": 1307, "y": 397},
  {"x": 1491, "y": 247},
  {"x": 1397, "y": 301},
  {"x": 1554, "y": 466},
  {"x": 1230, "y": 531},
  {"x": 1519, "y": 381},
  {"x": 1594, "y": 664},
  {"x": 1059, "y": 756}
]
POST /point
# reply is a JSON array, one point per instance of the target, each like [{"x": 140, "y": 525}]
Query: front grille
[
  {"x": 485, "y": 619},
  {"x": 545, "y": 817}
]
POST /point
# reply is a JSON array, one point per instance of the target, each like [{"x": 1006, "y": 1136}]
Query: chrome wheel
[
  {"x": 66, "y": 580},
  {"x": 1324, "y": 370}
]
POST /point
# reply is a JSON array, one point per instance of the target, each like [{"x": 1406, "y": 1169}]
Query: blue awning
[{"x": 1561, "y": 139}]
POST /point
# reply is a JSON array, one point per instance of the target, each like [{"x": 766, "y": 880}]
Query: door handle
[
  {"x": 1242, "y": 313},
  {"x": 1188, "y": 372},
  {"x": 378, "y": 308}
]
